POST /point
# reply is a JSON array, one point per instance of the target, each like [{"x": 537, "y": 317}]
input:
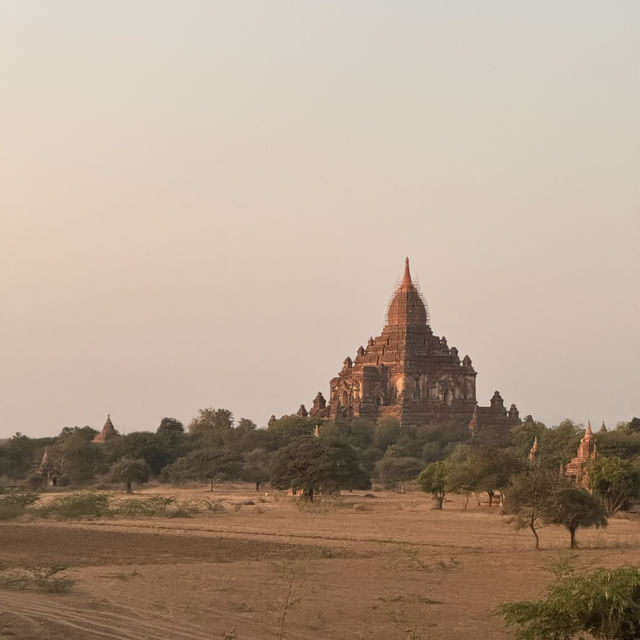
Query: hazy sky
[{"x": 209, "y": 204}]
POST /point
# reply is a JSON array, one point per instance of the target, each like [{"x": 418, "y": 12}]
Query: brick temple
[{"x": 411, "y": 374}]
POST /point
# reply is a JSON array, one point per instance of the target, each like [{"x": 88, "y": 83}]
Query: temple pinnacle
[{"x": 406, "y": 280}]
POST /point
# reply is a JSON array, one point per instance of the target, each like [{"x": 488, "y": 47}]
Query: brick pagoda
[{"x": 411, "y": 374}]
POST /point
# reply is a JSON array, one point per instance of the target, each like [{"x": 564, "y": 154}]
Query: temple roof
[{"x": 407, "y": 307}]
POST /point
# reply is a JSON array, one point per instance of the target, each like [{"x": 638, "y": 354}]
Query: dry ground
[{"x": 382, "y": 568}]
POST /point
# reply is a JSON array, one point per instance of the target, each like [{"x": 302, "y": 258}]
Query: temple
[
  {"x": 411, "y": 374},
  {"x": 108, "y": 432},
  {"x": 587, "y": 450}
]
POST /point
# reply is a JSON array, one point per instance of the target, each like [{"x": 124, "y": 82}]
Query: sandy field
[{"x": 351, "y": 568}]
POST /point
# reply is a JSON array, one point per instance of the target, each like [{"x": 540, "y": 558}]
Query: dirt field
[{"x": 379, "y": 568}]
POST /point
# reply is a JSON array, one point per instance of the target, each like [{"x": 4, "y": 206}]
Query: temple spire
[
  {"x": 406, "y": 280},
  {"x": 588, "y": 432}
]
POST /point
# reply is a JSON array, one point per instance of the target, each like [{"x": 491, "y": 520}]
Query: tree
[
  {"x": 393, "y": 469},
  {"x": 526, "y": 497},
  {"x": 256, "y": 467},
  {"x": 574, "y": 508},
  {"x": 213, "y": 465},
  {"x": 170, "y": 431},
  {"x": 603, "y": 603},
  {"x": 310, "y": 464},
  {"x": 614, "y": 481},
  {"x": 386, "y": 433},
  {"x": 212, "y": 421},
  {"x": 130, "y": 471},
  {"x": 463, "y": 471},
  {"x": 154, "y": 449},
  {"x": 634, "y": 425},
  {"x": 432, "y": 479},
  {"x": 495, "y": 468}
]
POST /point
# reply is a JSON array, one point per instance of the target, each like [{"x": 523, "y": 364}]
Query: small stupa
[{"x": 108, "y": 432}]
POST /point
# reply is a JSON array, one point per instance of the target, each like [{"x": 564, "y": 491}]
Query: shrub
[
  {"x": 13, "y": 505},
  {"x": 47, "y": 579},
  {"x": 151, "y": 506},
  {"x": 603, "y": 603},
  {"x": 77, "y": 505}
]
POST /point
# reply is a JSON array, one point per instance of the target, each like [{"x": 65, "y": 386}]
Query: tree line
[{"x": 443, "y": 458}]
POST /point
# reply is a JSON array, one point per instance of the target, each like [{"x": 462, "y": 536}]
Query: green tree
[
  {"x": 393, "y": 469},
  {"x": 217, "y": 422},
  {"x": 634, "y": 425},
  {"x": 171, "y": 431},
  {"x": 604, "y": 603},
  {"x": 614, "y": 481},
  {"x": 386, "y": 433},
  {"x": 573, "y": 508},
  {"x": 311, "y": 464},
  {"x": 526, "y": 498},
  {"x": 257, "y": 467},
  {"x": 153, "y": 448},
  {"x": 463, "y": 471},
  {"x": 432, "y": 479},
  {"x": 213, "y": 465},
  {"x": 130, "y": 471}
]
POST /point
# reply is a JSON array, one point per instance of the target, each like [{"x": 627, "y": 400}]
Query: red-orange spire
[
  {"x": 407, "y": 308},
  {"x": 406, "y": 280}
]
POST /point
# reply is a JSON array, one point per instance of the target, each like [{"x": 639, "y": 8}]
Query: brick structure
[
  {"x": 108, "y": 432},
  {"x": 587, "y": 450},
  {"x": 411, "y": 374}
]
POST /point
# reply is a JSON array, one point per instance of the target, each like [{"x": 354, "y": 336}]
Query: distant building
[
  {"x": 411, "y": 374},
  {"x": 587, "y": 450},
  {"x": 108, "y": 432}
]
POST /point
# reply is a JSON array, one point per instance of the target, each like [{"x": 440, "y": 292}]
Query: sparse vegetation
[
  {"x": 604, "y": 603},
  {"x": 47, "y": 579},
  {"x": 14, "y": 505},
  {"x": 77, "y": 505}
]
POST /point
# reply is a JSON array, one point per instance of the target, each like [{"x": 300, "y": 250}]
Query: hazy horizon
[{"x": 208, "y": 204}]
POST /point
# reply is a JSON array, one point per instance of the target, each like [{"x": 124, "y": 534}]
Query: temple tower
[{"x": 409, "y": 373}]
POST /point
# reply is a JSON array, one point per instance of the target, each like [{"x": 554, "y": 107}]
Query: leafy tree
[
  {"x": 526, "y": 498},
  {"x": 171, "y": 431},
  {"x": 256, "y": 467},
  {"x": 604, "y": 603},
  {"x": 573, "y": 508},
  {"x": 432, "y": 451},
  {"x": 19, "y": 454},
  {"x": 213, "y": 465},
  {"x": 79, "y": 459},
  {"x": 622, "y": 443},
  {"x": 386, "y": 433},
  {"x": 432, "y": 479},
  {"x": 310, "y": 464},
  {"x": 634, "y": 425},
  {"x": 211, "y": 421},
  {"x": 130, "y": 471},
  {"x": 523, "y": 434},
  {"x": 154, "y": 449},
  {"x": 463, "y": 471},
  {"x": 288, "y": 428},
  {"x": 614, "y": 480},
  {"x": 495, "y": 468},
  {"x": 393, "y": 469}
]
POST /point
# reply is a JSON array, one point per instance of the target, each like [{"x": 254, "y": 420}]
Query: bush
[
  {"x": 40, "y": 578},
  {"x": 14, "y": 504},
  {"x": 136, "y": 507},
  {"x": 157, "y": 506},
  {"x": 77, "y": 505},
  {"x": 603, "y": 603}
]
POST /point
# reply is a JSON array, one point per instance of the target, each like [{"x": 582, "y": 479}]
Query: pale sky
[{"x": 209, "y": 203}]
